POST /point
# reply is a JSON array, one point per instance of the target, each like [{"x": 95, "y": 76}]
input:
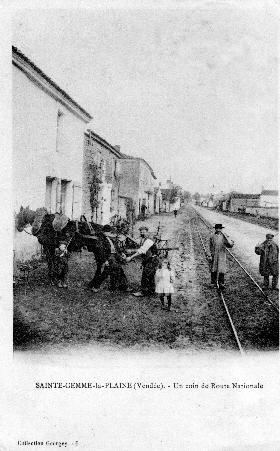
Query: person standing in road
[
  {"x": 164, "y": 279},
  {"x": 143, "y": 211},
  {"x": 175, "y": 213},
  {"x": 149, "y": 254},
  {"x": 218, "y": 244},
  {"x": 269, "y": 252},
  {"x": 113, "y": 267}
]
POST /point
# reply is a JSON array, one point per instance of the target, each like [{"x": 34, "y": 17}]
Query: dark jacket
[{"x": 269, "y": 252}]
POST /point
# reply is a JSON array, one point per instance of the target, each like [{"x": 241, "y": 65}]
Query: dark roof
[
  {"x": 129, "y": 157},
  {"x": 267, "y": 192},
  {"x": 49, "y": 80},
  {"x": 245, "y": 196},
  {"x": 91, "y": 134}
]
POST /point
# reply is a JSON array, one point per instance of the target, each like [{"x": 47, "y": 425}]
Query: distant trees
[
  {"x": 186, "y": 196},
  {"x": 174, "y": 194},
  {"x": 196, "y": 197}
]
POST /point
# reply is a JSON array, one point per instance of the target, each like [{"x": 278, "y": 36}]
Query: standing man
[
  {"x": 113, "y": 266},
  {"x": 218, "y": 245},
  {"x": 149, "y": 253},
  {"x": 269, "y": 252},
  {"x": 143, "y": 210},
  {"x": 175, "y": 213}
]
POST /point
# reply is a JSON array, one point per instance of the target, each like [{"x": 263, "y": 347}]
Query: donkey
[{"x": 77, "y": 234}]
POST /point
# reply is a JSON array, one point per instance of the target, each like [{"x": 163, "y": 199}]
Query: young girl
[{"x": 164, "y": 279}]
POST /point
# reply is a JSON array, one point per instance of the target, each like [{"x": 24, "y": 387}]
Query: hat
[
  {"x": 219, "y": 226},
  {"x": 269, "y": 235},
  {"x": 143, "y": 228}
]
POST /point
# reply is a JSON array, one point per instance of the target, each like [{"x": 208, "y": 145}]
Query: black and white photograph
[{"x": 144, "y": 211}]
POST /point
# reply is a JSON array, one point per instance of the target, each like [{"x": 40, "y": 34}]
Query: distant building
[
  {"x": 239, "y": 202},
  {"x": 138, "y": 182},
  {"x": 269, "y": 198},
  {"x": 48, "y": 135},
  {"x": 171, "y": 202}
]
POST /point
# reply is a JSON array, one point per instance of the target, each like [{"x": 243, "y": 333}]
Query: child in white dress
[{"x": 164, "y": 280}]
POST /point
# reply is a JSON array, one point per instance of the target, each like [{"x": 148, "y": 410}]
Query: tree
[
  {"x": 174, "y": 193},
  {"x": 94, "y": 186},
  {"x": 186, "y": 196},
  {"x": 196, "y": 196}
]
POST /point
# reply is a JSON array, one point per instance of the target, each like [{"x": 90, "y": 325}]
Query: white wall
[
  {"x": 268, "y": 201},
  {"x": 34, "y": 149}
]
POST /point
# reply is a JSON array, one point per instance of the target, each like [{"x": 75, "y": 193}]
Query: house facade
[
  {"x": 138, "y": 182},
  {"x": 48, "y": 139},
  {"x": 102, "y": 161},
  {"x": 239, "y": 202},
  {"x": 157, "y": 199}
]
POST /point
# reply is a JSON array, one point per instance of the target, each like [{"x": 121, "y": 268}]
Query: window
[
  {"x": 57, "y": 195},
  {"x": 63, "y": 195},
  {"x": 48, "y": 197}
]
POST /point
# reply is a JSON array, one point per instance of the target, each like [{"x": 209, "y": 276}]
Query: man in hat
[
  {"x": 149, "y": 254},
  {"x": 269, "y": 252},
  {"x": 218, "y": 244},
  {"x": 113, "y": 266}
]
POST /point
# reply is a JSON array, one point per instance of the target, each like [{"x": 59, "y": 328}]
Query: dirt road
[{"x": 47, "y": 317}]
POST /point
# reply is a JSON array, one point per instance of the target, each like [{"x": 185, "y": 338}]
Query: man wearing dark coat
[
  {"x": 269, "y": 252},
  {"x": 149, "y": 254},
  {"x": 218, "y": 244},
  {"x": 113, "y": 267}
]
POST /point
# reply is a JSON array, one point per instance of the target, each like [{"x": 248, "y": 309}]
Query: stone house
[
  {"x": 138, "y": 182},
  {"x": 48, "y": 138},
  {"x": 105, "y": 158},
  {"x": 239, "y": 202}
]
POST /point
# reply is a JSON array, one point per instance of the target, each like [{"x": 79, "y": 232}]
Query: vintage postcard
[{"x": 140, "y": 226}]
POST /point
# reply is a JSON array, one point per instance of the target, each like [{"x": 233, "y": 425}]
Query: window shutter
[{"x": 76, "y": 200}]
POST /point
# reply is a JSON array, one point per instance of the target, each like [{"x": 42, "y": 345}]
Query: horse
[{"x": 77, "y": 234}]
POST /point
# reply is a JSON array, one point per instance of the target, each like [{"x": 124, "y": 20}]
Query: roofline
[
  {"x": 91, "y": 134},
  {"x": 127, "y": 157},
  {"x": 46, "y": 83},
  {"x": 240, "y": 196},
  {"x": 269, "y": 192}
]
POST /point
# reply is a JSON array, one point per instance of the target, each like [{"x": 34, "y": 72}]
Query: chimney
[{"x": 118, "y": 148}]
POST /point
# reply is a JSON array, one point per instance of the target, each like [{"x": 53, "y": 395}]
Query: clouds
[{"x": 190, "y": 90}]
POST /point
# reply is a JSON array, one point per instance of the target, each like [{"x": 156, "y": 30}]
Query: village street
[{"x": 47, "y": 316}]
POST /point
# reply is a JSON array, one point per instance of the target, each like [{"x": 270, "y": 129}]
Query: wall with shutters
[{"x": 37, "y": 153}]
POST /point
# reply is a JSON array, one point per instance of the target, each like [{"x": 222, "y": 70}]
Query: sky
[{"x": 193, "y": 89}]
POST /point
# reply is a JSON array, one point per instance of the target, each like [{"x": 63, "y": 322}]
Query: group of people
[
  {"x": 268, "y": 251},
  {"x": 157, "y": 275}
]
